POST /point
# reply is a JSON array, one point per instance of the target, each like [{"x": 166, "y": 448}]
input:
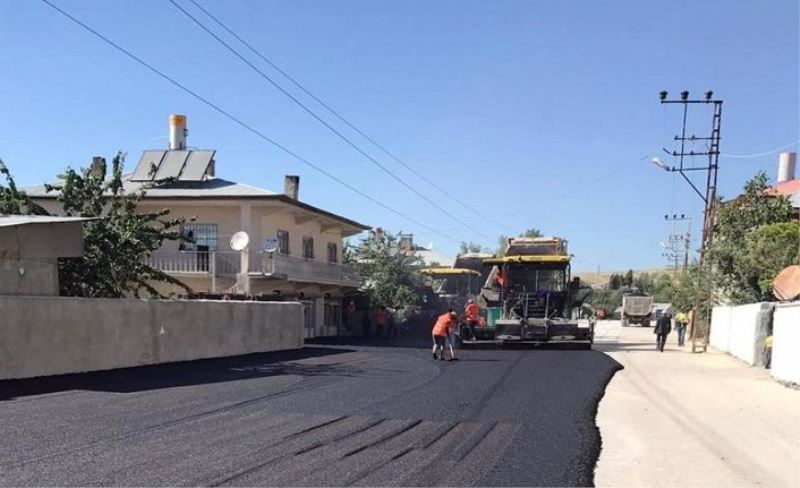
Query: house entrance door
[{"x": 309, "y": 318}]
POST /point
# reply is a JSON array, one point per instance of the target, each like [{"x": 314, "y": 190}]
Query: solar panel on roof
[
  {"x": 172, "y": 164},
  {"x": 197, "y": 165},
  {"x": 148, "y": 160}
]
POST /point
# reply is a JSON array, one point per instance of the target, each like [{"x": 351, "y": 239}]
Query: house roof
[
  {"x": 210, "y": 189},
  {"x": 788, "y": 188},
  {"x": 12, "y": 220}
]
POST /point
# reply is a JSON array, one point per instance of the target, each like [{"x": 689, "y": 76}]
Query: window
[
  {"x": 200, "y": 237},
  {"x": 283, "y": 242},
  {"x": 308, "y": 247},
  {"x": 333, "y": 252},
  {"x": 333, "y": 313}
]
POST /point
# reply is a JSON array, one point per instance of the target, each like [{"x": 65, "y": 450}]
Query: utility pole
[
  {"x": 675, "y": 251},
  {"x": 710, "y": 196}
]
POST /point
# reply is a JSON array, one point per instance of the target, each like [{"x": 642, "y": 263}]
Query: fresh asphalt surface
[{"x": 374, "y": 413}]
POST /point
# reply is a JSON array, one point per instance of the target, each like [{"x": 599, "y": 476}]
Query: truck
[
  {"x": 530, "y": 298},
  {"x": 636, "y": 309}
]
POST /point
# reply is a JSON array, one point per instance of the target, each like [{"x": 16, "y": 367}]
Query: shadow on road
[{"x": 203, "y": 371}]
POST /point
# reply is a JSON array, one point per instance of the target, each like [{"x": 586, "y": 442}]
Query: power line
[
  {"x": 344, "y": 120},
  {"x": 323, "y": 121},
  {"x": 239, "y": 122},
  {"x": 765, "y": 153}
]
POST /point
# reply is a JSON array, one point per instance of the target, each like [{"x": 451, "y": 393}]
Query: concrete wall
[
  {"x": 29, "y": 277},
  {"x": 786, "y": 342},
  {"x": 741, "y": 330},
  {"x": 56, "y": 335},
  {"x": 29, "y": 252}
]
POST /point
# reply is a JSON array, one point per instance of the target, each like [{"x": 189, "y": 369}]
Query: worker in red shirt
[
  {"x": 500, "y": 279},
  {"x": 473, "y": 315},
  {"x": 381, "y": 320},
  {"x": 441, "y": 331}
]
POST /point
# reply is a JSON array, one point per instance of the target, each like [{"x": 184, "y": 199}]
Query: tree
[
  {"x": 116, "y": 242},
  {"x": 770, "y": 249},
  {"x": 739, "y": 271},
  {"x": 387, "y": 276},
  {"x": 628, "y": 279},
  {"x": 14, "y": 201},
  {"x": 532, "y": 232},
  {"x": 615, "y": 281},
  {"x": 466, "y": 247}
]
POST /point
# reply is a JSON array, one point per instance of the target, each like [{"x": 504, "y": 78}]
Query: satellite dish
[{"x": 240, "y": 240}]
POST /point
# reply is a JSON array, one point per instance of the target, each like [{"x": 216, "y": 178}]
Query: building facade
[{"x": 294, "y": 250}]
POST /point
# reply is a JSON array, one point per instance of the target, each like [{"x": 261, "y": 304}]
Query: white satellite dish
[{"x": 240, "y": 240}]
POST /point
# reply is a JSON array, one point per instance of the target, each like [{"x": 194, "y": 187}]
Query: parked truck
[
  {"x": 636, "y": 309},
  {"x": 530, "y": 297}
]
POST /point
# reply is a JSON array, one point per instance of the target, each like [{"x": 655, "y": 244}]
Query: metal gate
[{"x": 309, "y": 318}]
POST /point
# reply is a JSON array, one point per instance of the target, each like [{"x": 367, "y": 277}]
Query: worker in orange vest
[
  {"x": 381, "y": 320},
  {"x": 500, "y": 278},
  {"x": 441, "y": 331},
  {"x": 473, "y": 315}
]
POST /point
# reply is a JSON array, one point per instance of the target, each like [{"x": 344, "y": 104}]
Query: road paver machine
[{"x": 529, "y": 296}]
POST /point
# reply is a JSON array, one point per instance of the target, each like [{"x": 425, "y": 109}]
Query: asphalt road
[{"x": 327, "y": 415}]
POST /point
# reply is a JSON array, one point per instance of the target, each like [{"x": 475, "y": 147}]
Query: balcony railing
[
  {"x": 300, "y": 269},
  {"x": 218, "y": 263},
  {"x": 273, "y": 265}
]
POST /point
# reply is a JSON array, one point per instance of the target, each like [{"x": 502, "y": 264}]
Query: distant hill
[{"x": 597, "y": 280}]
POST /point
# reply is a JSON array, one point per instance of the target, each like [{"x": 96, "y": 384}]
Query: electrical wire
[
  {"x": 765, "y": 153},
  {"x": 324, "y": 122},
  {"x": 339, "y": 116},
  {"x": 241, "y": 123}
]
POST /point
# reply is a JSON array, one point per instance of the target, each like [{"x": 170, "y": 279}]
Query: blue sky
[{"x": 537, "y": 112}]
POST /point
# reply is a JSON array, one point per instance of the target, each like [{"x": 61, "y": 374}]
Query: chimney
[
  {"x": 406, "y": 242},
  {"x": 177, "y": 132},
  {"x": 98, "y": 167},
  {"x": 787, "y": 163},
  {"x": 291, "y": 186}
]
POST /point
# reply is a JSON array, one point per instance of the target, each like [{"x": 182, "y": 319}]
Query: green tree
[
  {"x": 387, "y": 276},
  {"x": 13, "y": 200},
  {"x": 615, "y": 281},
  {"x": 116, "y": 242},
  {"x": 466, "y": 247},
  {"x": 770, "y": 249},
  {"x": 628, "y": 279},
  {"x": 532, "y": 232},
  {"x": 740, "y": 273}
]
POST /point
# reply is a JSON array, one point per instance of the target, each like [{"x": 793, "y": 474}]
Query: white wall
[
  {"x": 42, "y": 336},
  {"x": 786, "y": 342},
  {"x": 741, "y": 330}
]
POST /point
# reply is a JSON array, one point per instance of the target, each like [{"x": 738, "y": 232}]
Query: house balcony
[
  {"x": 281, "y": 266},
  {"x": 217, "y": 263},
  {"x": 261, "y": 264}
]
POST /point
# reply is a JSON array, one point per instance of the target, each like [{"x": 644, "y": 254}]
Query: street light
[{"x": 661, "y": 164}]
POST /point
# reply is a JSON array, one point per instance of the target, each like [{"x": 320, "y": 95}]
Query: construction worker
[
  {"x": 473, "y": 315},
  {"x": 500, "y": 278},
  {"x": 681, "y": 320},
  {"x": 381, "y": 320},
  {"x": 441, "y": 331}
]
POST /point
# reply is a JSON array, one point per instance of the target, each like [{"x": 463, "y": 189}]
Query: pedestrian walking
[
  {"x": 768, "y": 351},
  {"x": 381, "y": 320},
  {"x": 681, "y": 321},
  {"x": 441, "y": 330},
  {"x": 661, "y": 330}
]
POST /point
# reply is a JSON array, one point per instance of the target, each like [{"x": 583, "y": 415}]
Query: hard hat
[{"x": 471, "y": 300}]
